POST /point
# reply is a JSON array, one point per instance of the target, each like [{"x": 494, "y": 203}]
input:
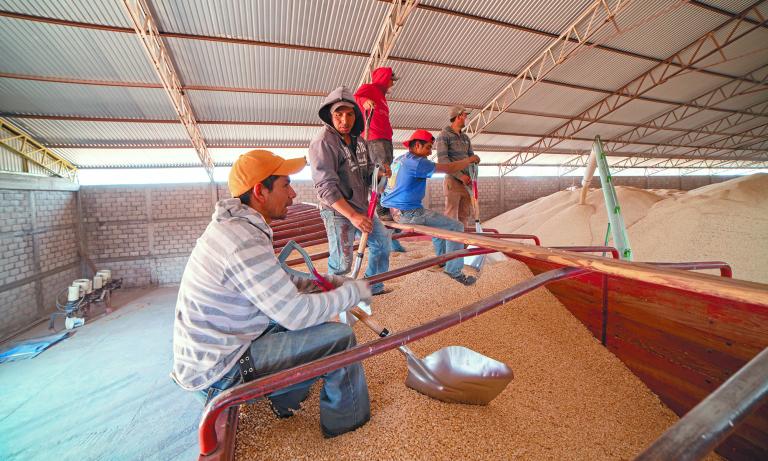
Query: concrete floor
[{"x": 104, "y": 393}]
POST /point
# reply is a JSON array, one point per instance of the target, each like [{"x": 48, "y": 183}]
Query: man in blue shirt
[{"x": 405, "y": 191}]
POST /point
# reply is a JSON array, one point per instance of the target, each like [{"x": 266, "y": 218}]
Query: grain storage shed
[{"x": 120, "y": 120}]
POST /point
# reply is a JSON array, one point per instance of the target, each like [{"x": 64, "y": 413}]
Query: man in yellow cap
[{"x": 240, "y": 316}]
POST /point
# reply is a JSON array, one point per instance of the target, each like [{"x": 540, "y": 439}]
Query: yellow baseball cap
[{"x": 257, "y": 165}]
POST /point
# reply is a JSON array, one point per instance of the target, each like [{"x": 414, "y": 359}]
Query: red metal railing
[
  {"x": 590, "y": 249},
  {"x": 725, "y": 268},
  {"x": 209, "y": 438}
]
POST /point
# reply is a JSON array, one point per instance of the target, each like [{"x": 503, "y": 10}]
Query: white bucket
[
  {"x": 86, "y": 285},
  {"x": 73, "y": 292},
  {"x": 97, "y": 282},
  {"x": 105, "y": 274}
]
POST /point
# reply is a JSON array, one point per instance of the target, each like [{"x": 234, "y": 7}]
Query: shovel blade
[
  {"x": 475, "y": 262},
  {"x": 456, "y": 374}
]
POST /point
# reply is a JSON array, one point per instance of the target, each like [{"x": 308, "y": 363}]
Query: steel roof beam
[
  {"x": 62, "y": 22},
  {"x": 390, "y": 30},
  {"x": 146, "y": 29},
  {"x": 710, "y": 43},
  {"x": 531, "y": 30},
  {"x": 733, "y": 141},
  {"x": 682, "y": 112},
  {"x": 589, "y": 22},
  {"x": 23, "y": 145}
]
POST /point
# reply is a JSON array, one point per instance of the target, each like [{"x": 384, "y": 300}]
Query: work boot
[{"x": 466, "y": 280}]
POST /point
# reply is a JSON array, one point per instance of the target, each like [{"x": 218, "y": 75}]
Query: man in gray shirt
[
  {"x": 452, "y": 145},
  {"x": 341, "y": 170}
]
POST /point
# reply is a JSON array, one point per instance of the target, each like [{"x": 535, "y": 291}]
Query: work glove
[{"x": 362, "y": 287}]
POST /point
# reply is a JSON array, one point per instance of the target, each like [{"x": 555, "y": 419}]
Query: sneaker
[
  {"x": 466, "y": 280},
  {"x": 281, "y": 413}
]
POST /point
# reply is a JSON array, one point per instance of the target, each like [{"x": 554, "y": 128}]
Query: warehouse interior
[{"x": 121, "y": 119}]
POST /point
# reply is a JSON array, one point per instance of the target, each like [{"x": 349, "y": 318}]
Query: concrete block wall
[
  {"x": 305, "y": 191},
  {"x": 39, "y": 244},
  {"x": 145, "y": 233}
]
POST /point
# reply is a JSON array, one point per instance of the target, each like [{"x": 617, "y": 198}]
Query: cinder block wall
[
  {"x": 38, "y": 248},
  {"x": 145, "y": 233}
]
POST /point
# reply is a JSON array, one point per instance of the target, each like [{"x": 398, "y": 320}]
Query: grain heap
[
  {"x": 725, "y": 221},
  {"x": 570, "y": 399}
]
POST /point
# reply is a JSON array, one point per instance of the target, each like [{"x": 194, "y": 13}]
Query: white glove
[
  {"x": 363, "y": 289},
  {"x": 365, "y": 301}
]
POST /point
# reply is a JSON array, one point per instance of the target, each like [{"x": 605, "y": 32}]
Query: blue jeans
[
  {"x": 427, "y": 217},
  {"x": 344, "y": 404},
  {"x": 341, "y": 240}
]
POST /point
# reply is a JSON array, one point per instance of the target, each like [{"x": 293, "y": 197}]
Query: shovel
[
  {"x": 314, "y": 276},
  {"x": 475, "y": 261},
  {"x": 453, "y": 374},
  {"x": 377, "y": 187}
]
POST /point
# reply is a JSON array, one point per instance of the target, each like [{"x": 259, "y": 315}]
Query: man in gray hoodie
[{"x": 341, "y": 170}]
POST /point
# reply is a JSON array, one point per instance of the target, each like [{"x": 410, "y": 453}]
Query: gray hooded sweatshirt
[{"x": 340, "y": 171}]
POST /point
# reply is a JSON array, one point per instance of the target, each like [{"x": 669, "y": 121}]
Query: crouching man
[
  {"x": 405, "y": 191},
  {"x": 240, "y": 316}
]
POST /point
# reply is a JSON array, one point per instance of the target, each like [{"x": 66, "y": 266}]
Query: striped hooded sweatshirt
[{"x": 232, "y": 286}]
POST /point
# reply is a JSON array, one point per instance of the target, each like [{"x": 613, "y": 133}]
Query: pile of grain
[
  {"x": 570, "y": 399},
  {"x": 726, "y": 221}
]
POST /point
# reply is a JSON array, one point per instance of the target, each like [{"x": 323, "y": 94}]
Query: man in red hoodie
[{"x": 373, "y": 97}]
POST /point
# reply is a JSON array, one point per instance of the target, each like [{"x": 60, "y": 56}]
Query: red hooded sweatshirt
[{"x": 376, "y": 91}]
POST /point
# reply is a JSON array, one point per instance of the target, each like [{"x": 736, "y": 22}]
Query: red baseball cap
[{"x": 419, "y": 135}]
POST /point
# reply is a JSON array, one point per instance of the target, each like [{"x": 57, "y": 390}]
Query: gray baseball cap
[{"x": 455, "y": 111}]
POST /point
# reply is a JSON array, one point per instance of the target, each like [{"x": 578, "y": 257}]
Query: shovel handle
[
  {"x": 362, "y": 244},
  {"x": 369, "y": 321}
]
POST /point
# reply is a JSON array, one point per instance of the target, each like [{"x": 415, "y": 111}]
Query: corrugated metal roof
[
  {"x": 697, "y": 120},
  {"x": 341, "y": 24},
  {"x": 660, "y": 136},
  {"x": 441, "y": 84},
  {"x": 598, "y": 68},
  {"x": 110, "y": 13},
  {"x": 552, "y": 17},
  {"x": 685, "y": 87},
  {"x": 603, "y": 130},
  {"x": 525, "y": 124},
  {"x": 78, "y": 53},
  {"x": 574, "y": 147},
  {"x": 555, "y": 99},
  {"x": 637, "y": 110},
  {"x": 102, "y": 158},
  {"x": 748, "y": 125},
  {"x": 424, "y": 116},
  {"x": 241, "y": 135},
  {"x": 744, "y": 55},
  {"x": 50, "y": 98},
  {"x": 652, "y": 27},
  {"x": 733, "y": 6},
  {"x": 63, "y": 51},
  {"x": 450, "y": 39},
  {"x": 752, "y": 101},
  {"x": 247, "y": 66},
  {"x": 255, "y": 107},
  {"x": 103, "y": 133}
]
